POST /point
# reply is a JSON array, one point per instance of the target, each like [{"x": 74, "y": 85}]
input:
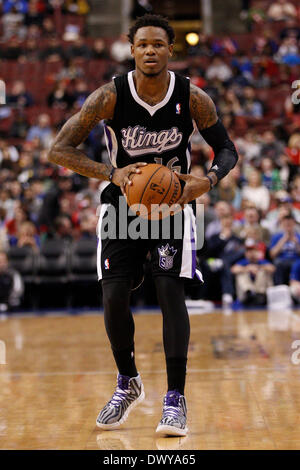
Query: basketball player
[{"x": 153, "y": 100}]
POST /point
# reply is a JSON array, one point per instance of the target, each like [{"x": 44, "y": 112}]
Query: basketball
[{"x": 152, "y": 191}]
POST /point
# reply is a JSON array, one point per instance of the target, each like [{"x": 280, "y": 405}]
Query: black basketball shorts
[{"x": 120, "y": 256}]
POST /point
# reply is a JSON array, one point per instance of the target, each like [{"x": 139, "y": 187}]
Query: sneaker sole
[
  {"x": 108, "y": 427},
  {"x": 167, "y": 430}
]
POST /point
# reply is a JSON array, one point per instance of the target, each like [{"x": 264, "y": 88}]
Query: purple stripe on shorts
[{"x": 193, "y": 250}]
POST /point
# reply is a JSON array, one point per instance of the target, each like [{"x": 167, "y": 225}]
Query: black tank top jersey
[{"x": 153, "y": 134}]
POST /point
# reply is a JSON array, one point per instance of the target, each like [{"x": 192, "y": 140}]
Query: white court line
[{"x": 193, "y": 371}]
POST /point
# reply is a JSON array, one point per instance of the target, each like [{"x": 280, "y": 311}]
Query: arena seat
[
  {"x": 52, "y": 274},
  {"x": 23, "y": 260},
  {"x": 53, "y": 262}
]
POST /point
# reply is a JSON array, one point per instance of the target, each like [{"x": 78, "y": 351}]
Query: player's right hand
[{"x": 121, "y": 176}]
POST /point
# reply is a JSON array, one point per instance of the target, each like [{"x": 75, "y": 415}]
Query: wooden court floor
[{"x": 243, "y": 390}]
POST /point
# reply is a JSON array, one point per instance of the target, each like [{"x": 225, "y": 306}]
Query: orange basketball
[{"x": 152, "y": 191}]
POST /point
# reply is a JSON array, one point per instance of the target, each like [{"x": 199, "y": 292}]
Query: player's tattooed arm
[
  {"x": 202, "y": 108},
  {"x": 99, "y": 105}
]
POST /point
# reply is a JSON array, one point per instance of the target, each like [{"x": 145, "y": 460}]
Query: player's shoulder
[
  {"x": 103, "y": 100},
  {"x": 202, "y": 107},
  {"x": 199, "y": 94}
]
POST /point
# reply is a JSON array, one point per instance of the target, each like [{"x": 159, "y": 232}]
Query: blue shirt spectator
[
  {"x": 295, "y": 271},
  {"x": 21, "y": 6},
  {"x": 290, "y": 248}
]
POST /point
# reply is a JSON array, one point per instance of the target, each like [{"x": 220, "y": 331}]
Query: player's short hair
[{"x": 152, "y": 20}]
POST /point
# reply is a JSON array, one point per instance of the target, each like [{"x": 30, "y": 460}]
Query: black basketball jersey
[{"x": 153, "y": 134}]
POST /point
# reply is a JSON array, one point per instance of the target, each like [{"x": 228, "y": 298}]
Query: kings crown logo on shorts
[{"x": 166, "y": 256}]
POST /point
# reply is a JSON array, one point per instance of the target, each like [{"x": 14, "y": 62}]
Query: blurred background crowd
[{"x": 50, "y": 64}]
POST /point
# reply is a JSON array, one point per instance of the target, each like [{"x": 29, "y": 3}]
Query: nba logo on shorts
[
  {"x": 106, "y": 263},
  {"x": 178, "y": 108},
  {"x": 166, "y": 256}
]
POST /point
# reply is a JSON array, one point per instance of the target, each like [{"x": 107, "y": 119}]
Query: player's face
[{"x": 151, "y": 50}]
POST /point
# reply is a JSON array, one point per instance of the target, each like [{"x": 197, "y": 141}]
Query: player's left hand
[{"x": 194, "y": 187}]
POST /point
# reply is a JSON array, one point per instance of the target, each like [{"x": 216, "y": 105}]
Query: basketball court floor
[{"x": 243, "y": 383}]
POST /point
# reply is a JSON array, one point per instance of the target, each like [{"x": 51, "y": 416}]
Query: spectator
[
  {"x": 3, "y": 232},
  {"x": 70, "y": 71},
  {"x": 99, "y": 50},
  {"x": 255, "y": 192},
  {"x": 59, "y": 97},
  {"x": 12, "y": 22},
  {"x": 54, "y": 52},
  {"x": 19, "y": 97},
  {"x": 285, "y": 249},
  {"x": 34, "y": 14},
  {"x": 295, "y": 281},
  {"x": 251, "y": 106},
  {"x": 20, "y": 125},
  {"x": 291, "y": 30},
  {"x": 288, "y": 52},
  {"x": 252, "y": 220},
  {"x": 88, "y": 224},
  {"x": 7, "y": 203},
  {"x": 274, "y": 217},
  {"x": 42, "y": 130},
  {"x": 219, "y": 70},
  {"x": 26, "y": 236},
  {"x": 249, "y": 145},
  {"x": 222, "y": 251},
  {"x": 228, "y": 191},
  {"x": 121, "y": 50},
  {"x": 230, "y": 103},
  {"x": 50, "y": 209},
  {"x": 12, "y": 50},
  {"x": 48, "y": 28},
  {"x": 272, "y": 147},
  {"x": 253, "y": 276},
  {"x": 78, "y": 49},
  {"x": 20, "y": 6},
  {"x": 31, "y": 51},
  {"x": 11, "y": 285},
  {"x": 270, "y": 175},
  {"x": 80, "y": 93},
  {"x": 9, "y": 152},
  {"x": 281, "y": 10},
  {"x": 63, "y": 228},
  {"x": 222, "y": 209}
]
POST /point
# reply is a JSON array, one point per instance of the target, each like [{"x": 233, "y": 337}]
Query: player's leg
[
  {"x": 176, "y": 333},
  {"x": 173, "y": 260},
  {"x": 119, "y": 326},
  {"x": 118, "y": 273}
]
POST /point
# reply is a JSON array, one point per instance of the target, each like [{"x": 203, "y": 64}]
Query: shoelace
[
  {"x": 172, "y": 411},
  {"x": 172, "y": 407},
  {"x": 118, "y": 396}
]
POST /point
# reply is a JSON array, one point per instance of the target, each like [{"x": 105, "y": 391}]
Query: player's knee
[{"x": 116, "y": 294}]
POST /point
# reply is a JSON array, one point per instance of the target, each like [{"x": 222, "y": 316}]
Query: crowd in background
[{"x": 252, "y": 216}]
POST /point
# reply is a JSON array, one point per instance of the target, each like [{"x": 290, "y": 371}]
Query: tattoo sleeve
[
  {"x": 202, "y": 107},
  {"x": 99, "y": 105},
  {"x": 203, "y": 111}
]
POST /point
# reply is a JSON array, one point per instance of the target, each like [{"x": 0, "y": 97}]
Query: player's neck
[{"x": 153, "y": 87}]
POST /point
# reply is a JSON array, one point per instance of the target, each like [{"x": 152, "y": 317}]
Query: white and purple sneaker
[
  {"x": 173, "y": 421},
  {"x": 129, "y": 392}
]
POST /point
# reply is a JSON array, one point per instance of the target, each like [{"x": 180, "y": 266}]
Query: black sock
[
  {"x": 176, "y": 371},
  {"x": 125, "y": 361}
]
